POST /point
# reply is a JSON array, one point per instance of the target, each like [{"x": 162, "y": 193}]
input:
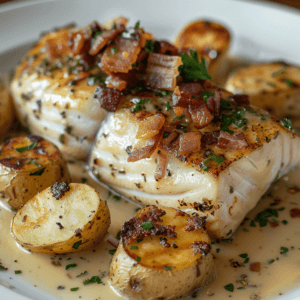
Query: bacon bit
[
  {"x": 80, "y": 38},
  {"x": 273, "y": 224},
  {"x": 180, "y": 98},
  {"x": 195, "y": 223},
  {"x": 241, "y": 100},
  {"x": 210, "y": 138},
  {"x": 180, "y": 213},
  {"x": 167, "y": 141},
  {"x": 146, "y": 151},
  {"x": 57, "y": 44},
  {"x": 116, "y": 22},
  {"x": 115, "y": 82},
  {"x": 164, "y": 243},
  {"x": 103, "y": 39},
  {"x": 255, "y": 267},
  {"x": 293, "y": 190},
  {"x": 201, "y": 247},
  {"x": 229, "y": 141},
  {"x": 150, "y": 126},
  {"x": 295, "y": 213},
  {"x": 200, "y": 114},
  {"x": 214, "y": 103},
  {"x": 114, "y": 63},
  {"x": 164, "y": 47},
  {"x": 109, "y": 99},
  {"x": 192, "y": 88},
  {"x": 189, "y": 142},
  {"x": 132, "y": 229},
  {"x": 162, "y": 71},
  {"x": 162, "y": 163}
]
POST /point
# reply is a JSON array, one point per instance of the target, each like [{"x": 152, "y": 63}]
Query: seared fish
[{"x": 220, "y": 171}]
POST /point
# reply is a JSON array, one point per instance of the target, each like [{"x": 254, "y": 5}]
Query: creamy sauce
[{"x": 48, "y": 273}]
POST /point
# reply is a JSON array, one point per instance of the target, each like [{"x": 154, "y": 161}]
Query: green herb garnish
[
  {"x": 139, "y": 240},
  {"x": 229, "y": 287},
  {"x": 38, "y": 173},
  {"x": 271, "y": 261},
  {"x": 112, "y": 251},
  {"x": 138, "y": 259},
  {"x": 84, "y": 180},
  {"x": 74, "y": 289},
  {"x": 283, "y": 250},
  {"x": 137, "y": 25},
  {"x": 27, "y": 148},
  {"x": 287, "y": 123},
  {"x": 82, "y": 274},
  {"x": 178, "y": 118},
  {"x": 94, "y": 279},
  {"x": 166, "y": 134},
  {"x": 206, "y": 95},
  {"x": 18, "y": 272},
  {"x": 167, "y": 106},
  {"x": 147, "y": 225},
  {"x": 134, "y": 247},
  {"x": 271, "y": 84},
  {"x": 231, "y": 189},
  {"x": 71, "y": 266},
  {"x": 139, "y": 105},
  {"x": 244, "y": 255},
  {"x": 149, "y": 48},
  {"x": 230, "y": 232},
  {"x": 289, "y": 82},
  {"x": 114, "y": 50},
  {"x": 77, "y": 244},
  {"x": 117, "y": 198},
  {"x": 168, "y": 268},
  {"x": 192, "y": 69},
  {"x": 277, "y": 73},
  {"x": 284, "y": 222}
]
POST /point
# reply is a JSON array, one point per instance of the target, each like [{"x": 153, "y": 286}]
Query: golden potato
[
  {"x": 164, "y": 253},
  {"x": 6, "y": 111},
  {"x": 29, "y": 165},
  {"x": 62, "y": 218},
  {"x": 211, "y": 41},
  {"x": 273, "y": 86}
]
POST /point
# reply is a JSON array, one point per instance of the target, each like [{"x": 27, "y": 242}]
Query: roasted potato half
[
  {"x": 164, "y": 253},
  {"x": 6, "y": 111},
  {"x": 272, "y": 86},
  {"x": 63, "y": 218},
  {"x": 211, "y": 41},
  {"x": 28, "y": 165}
]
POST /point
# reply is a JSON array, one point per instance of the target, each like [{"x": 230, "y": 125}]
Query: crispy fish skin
[
  {"x": 225, "y": 193},
  {"x": 273, "y": 86},
  {"x": 55, "y": 104}
]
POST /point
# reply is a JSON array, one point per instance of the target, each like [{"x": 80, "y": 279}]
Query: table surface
[{"x": 291, "y": 3}]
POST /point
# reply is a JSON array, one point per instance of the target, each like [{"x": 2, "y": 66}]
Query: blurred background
[{"x": 291, "y": 3}]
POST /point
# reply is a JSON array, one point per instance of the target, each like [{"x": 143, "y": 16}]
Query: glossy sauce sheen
[{"x": 48, "y": 273}]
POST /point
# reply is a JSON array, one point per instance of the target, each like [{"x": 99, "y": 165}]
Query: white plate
[{"x": 261, "y": 31}]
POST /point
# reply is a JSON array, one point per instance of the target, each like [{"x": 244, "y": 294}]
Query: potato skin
[
  {"x": 7, "y": 115},
  {"x": 125, "y": 272},
  {"x": 87, "y": 236},
  {"x": 17, "y": 179}
]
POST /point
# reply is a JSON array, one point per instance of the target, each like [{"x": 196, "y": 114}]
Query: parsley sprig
[{"x": 192, "y": 69}]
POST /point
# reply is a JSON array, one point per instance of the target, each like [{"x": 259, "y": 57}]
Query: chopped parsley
[
  {"x": 230, "y": 232},
  {"x": 168, "y": 268},
  {"x": 134, "y": 247},
  {"x": 77, "y": 244},
  {"x": 206, "y": 95},
  {"x": 167, "y": 106},
  {"x": 139, "y": 105},
  {"x": 192, "y": 69},
  {"x": 289, "y": 82},
  {"x": 231, "y": 189},
  {"x": 74, "y": 289},
  {"x": 138, "y": 259},
  {"x": 262, "y": 217},
  {"x": 84, "y": 180},
  {"x": 27, "y": 148},
  {"x": 283, "y": 250},
  {"x": 271, "y": 84},
  {"x": 218, "y": 160},
  {"x": 94, "y": 279},
  {"x": 229, "y": 287},
  {"x": 246, "y": 260},
  {"x": 277, "y": 73},
  {"x": 137, "y": 25},
  {"x": 2, "y": 268},
  {"x": 262, "y": 118},
  {"x": 119, "y": 235},
  {"x": 114, "y": 50},
  {"x": 38, "y": 173},
  {"x": 112, "y": 251},
  {"x": 218, "y": 250},
  {"x": 244, "y": 255},
  {"x": 82, "y": 274},
  {"x": 139, "y": 240},
  {"x": 166, "y": 134},
  {"x": 71, "y": 266},
  {"x": 149, "y": 48},
  {"x": 178, "y": 118},
  {"x": 284, "y": 222},
  {"x": 287, "y": 123},
  {"x": 18, "y": 272},
  {"x": 117, "y": 198},
  {"x": 33, "y": 161},
  {"x": 147, "y": 225},
  {"x": 271, "y": 261}
]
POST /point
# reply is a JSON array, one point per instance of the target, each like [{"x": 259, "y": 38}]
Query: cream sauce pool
[{"x": 279, "y": 272}]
